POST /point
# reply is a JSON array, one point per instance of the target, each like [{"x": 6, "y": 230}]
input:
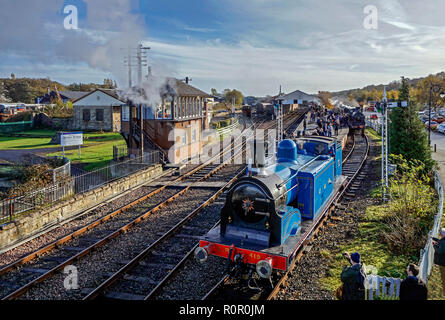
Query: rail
[{"x": 427, "y": 254}]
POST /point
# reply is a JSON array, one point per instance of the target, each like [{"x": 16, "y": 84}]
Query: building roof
[
  {"x": 300, "y": 95},
  {"x": 73, "y": 95},
  {"x": 111, "y": 92},
  {"x": 184, "y": 89}
]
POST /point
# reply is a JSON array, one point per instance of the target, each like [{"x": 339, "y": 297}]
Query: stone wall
[
  {"x": 62, "y": 123},
  {"x": 93, "y": 124},
  {"x": 33, "y": 223}
]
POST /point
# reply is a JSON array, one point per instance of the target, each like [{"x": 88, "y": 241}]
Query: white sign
[{"x": 71, "y": 139}]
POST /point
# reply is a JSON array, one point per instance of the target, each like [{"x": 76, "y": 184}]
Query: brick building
[{"x": 174, "y": 126}]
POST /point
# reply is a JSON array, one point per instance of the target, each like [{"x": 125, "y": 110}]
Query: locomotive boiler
[{"x": 267, "y": 209}]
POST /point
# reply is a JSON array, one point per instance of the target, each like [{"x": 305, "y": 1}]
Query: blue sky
[{"x": 251, "y": 45}]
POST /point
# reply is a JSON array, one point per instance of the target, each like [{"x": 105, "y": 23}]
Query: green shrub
[{"x": 411, "y": 209}]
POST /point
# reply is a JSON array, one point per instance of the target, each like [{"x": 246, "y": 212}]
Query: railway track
[
  {"x": 121, "y": 219},
  {"x": 88, "y": 239},
  {"x": 353, "y": 163},
  {"x": 150, "y": 270},
  {"x": 46, "y": 265},
  {"x": 174, "y": 277}
]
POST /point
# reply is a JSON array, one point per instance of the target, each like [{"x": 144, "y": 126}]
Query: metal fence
[
  {"x": 374, "y": 125},
  {"x": 229, "y": 129},
  {"x": 11, "y": 208},
  {"x": 9, "y": 127},
  {"x": 120, "y": 152},
  {"x": 94, "y": 179},
  {"x": 63, "y": 171},
  {"x": 427, "y": 254}
]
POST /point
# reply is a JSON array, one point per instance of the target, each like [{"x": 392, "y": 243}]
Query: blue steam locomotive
[{"x": 269, "y": 210}]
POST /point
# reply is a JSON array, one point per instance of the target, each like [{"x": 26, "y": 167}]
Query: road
[{"x": 438, "y": 139}]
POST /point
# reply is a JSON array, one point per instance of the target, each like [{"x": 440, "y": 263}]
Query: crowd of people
[
  {"x": 328, "y": 121},
  {"x": 411, "y": 288}
]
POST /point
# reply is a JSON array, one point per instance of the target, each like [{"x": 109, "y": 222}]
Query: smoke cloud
[{"x": 109, "y": 28}]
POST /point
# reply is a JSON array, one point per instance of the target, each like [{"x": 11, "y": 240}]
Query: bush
[
  {"x": 215, "y": 125},
  {"x": 411, "y": 209},
  {"x": 225, "y": 123}
]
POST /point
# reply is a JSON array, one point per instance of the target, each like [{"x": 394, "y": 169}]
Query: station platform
[{"x": 312, "y": 126}]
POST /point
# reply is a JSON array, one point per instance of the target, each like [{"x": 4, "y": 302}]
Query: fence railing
[
  {"x": 382, "y": 286},
  {"x": 427, "y": 254},
  {"x": 374, "y": 125},
  {"x": 62, "y": 171},
  {"x": 120, "y": 152},
  {"x": 7, "y": 127},
  {"x": 12, "y": 208},
  {"x": 229, "y": 129}
]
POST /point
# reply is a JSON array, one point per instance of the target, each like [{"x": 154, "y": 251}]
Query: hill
[{"x": 25, "y": 90}]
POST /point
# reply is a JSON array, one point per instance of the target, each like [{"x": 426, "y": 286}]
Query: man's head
[
  {"x": 355, "y": 257},
  {"x": 412, "y": 270},
  {"x": 442, "y": 233}
]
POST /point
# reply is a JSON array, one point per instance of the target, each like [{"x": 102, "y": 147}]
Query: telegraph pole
[
  {"x": 385, "y": 181},
  {"x": 280, "y": 119},
  {"x": 136, "y": 57},
  {"x": 142, "y": 61}
]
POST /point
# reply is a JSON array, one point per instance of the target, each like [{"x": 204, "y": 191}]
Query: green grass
[
  {"x": 19, "y": 143},
  {"x": 39, "y": 132},
  {"x": 95, "y": 153},
  {"x": 374, "y": 135},
  {"x": 97, "y": 150},
  {"x": 373, "y": 251}
]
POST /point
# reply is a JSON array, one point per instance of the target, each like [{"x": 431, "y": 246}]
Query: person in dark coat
[
  {"x": 439, "y": 256},
  {"x": 353, "y": 278},
  {"x": 413, "y": 288}
]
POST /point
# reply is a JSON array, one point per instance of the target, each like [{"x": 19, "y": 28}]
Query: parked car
[
  {"x": 374, "y": 117},
  {"x": 433, "y": 125},
  {"x": 439, "y": 119},
  {"x": 441, "y": 128}
]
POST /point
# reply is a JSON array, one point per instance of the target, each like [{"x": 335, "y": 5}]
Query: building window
[
  {"x": 86, "y": 115},
  {"x": 125, "y": 113},
  {"x": 99, "y": 114},
  {"x": 184, "y": 138},
  {"x": 194, "y": 135}
]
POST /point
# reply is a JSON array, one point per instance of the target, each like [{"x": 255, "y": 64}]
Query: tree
[
  {"x": 214, "y": 92},
  {"x": 407, "y": 133},
  {"x": 325, "y": 98},
  {"x": 12, "y": 76},
  {"x": 234, "y": 95}
]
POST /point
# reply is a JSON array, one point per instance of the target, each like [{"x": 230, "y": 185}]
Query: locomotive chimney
[{"x": 258, "y": 153}]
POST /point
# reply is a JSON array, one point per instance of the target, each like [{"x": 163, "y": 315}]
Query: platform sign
[{"x": 68, "y": 139}]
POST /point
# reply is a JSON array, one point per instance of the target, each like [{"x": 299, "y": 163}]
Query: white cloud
[{"x": 308, "y": 45}]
